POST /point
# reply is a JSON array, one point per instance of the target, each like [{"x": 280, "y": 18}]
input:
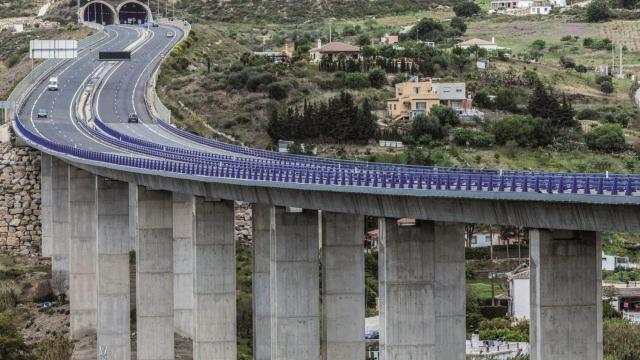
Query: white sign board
[
  {"x": 53, "y": 49},
  {"x": 7, "y": 104}
]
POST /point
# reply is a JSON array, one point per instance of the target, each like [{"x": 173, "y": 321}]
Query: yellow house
[{"x": 412, "y": 98}]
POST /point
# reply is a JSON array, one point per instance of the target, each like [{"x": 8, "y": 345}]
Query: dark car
[
  {"x": 154, "y": 24},
  {"x": 42, "y": 113},
  {"x": 372, "y": 335},
  {"x": 133, "y": 118}
]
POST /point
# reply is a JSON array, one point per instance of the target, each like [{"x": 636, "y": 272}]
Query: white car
[{"x": 170, "y": 34}]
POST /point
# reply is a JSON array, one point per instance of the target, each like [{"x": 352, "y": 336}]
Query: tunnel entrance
[
  {"x": 133, "y": 13},
  {"x": 99, "y": 13}
]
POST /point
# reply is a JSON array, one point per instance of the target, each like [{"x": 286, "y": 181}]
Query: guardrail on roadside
[{"x": 156, "y": 107}]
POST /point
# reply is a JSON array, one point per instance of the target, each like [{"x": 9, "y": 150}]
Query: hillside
[{"x": 299, "y": 11}]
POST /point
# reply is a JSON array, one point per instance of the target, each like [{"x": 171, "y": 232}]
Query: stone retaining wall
[{"x": 20, "y": 228}]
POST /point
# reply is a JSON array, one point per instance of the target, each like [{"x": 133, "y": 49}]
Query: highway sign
[
  {"x": 53, "y": 49},
  {"x": 114, "y": 55},
  {"x": 7, "y": 104}
]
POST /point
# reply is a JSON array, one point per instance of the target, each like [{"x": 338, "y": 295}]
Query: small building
[
  {"x": 389, "y": 39},
  {"x": 483, "y": 239},
  {"x": 277, "y": 57},
  {"x": 412, "y": 98},
  {"x": 452, "y": 94},
  {"x": 612, "y": 262},
  {"x": 333, "y": 50},
  {"x": 540, "y": 9},
  {"x": 517, "y": 297},
  {"x": 627, "y": 297},
  {"x": 510, "y": 4},
  {"x": 483, "y": 44}
]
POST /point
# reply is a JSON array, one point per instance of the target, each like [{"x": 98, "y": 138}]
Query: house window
[
  {"x": 416, "y": 90},
  {"x": 421, "y": 106},
  {"x": 474, "y": 239},
  {"x": 447, "y": 89},
  {"x": 394, "y": 107},
  {"x": 458, "y": 90}
]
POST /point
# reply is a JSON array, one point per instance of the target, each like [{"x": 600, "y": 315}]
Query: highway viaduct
[{"x": 110, "y": 187}]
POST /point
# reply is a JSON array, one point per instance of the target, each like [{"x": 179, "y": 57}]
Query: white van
[{"x": 53, "y": 84}]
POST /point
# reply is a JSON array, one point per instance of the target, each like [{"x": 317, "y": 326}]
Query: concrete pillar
[
  {"x": 263, "y": 217},
  {"x": 566, "y": 295},
  {"x": 214, "y": 286},
  {"x": 154, "y": 275},
  {"x": 114, "y": 334},
  {"x": 183, "y": 227},
  {"x": 295, "y": 317},
  {"x": 83, "y": 216},
  {"x": 343, "y": 286},
  {"x": 422, "y": 290},
  {"x": 133, "y": 216},
  {"x": 46, "y": 186},
  {"x": 59, "y": 247}
]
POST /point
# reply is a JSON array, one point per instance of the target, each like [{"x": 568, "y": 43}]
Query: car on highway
[
  {"x": 170, "y": 34},
  {"x": 133, "y": 118},
  {"x": 42, "y": 113},
  {"x": 53, "y": 83},
  {"x": 154, "y": 24}
]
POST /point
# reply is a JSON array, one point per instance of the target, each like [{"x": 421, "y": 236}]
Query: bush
[
  {"x": 255, "y": 81},
  {"x": 356, "y": 80},
  {"x": 477, "y": 253},
  {"x": 377, "y": 78},
  {"x": 606, "y": 87},
  {"x": 8, "y": 299},
  {"x": 515, "y": 128},
  {"x": 466, "y": 9},
  {"x": 278, "y": 90},
  {"x": 12, "y": 345},
  {"x": 620, "y": 339},
  {"x": 445, "y": 115},
  {"x": 580, "y": 68},
  {"x": 13, "y": 60},
  {"x": 493, "y": 312},
  {"x": 482, "y": 100},
  {"x": 427, "y": 125},
  {"x": 506, "y": 100},
  {"x": 607, "y": 138},
  {"x": 598, "y": 10},
  {"x": 55, "y": 348},
  {"x": 504, "y": 329},
  {"x": 473, "y": 138},
  {"x": 588, "y": 114},
  {"x": 538, "y": 44}
]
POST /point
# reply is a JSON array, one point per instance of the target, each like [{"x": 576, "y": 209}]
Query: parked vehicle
[
  {"x": 133, "y": 118},
  {"x": 155, "y": 24},
  {"x": 42, "y": 113},
  {"x": 53, "y": 84},
  {"x": 170, "y": 34}
]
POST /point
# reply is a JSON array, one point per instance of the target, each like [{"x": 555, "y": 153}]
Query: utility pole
[
  {"x": 79, "y": 19},
  {"x": 621, "y": 70},
  {"x": 491, "y": 241},
  {"x": 613, "y": 59},
  {"x": 158, "y": 10}
]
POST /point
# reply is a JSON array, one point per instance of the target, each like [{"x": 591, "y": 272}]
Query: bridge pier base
[
  {"x": 566, "y": 295},
  {"x": 422, "y": 293},
  {"x": 343, "y": 286},
  {"x": 83, "y": 222},
  {"x": 214, "y": 286},
  {"x": 295, "y": 296},
  {"x": 183, "y": 252},
  {"x": 154, "y": 295},
  {"x": 114, "y": 323},
  {"x": 46, "y": 189},
  {"x": 59, "y": 247}
]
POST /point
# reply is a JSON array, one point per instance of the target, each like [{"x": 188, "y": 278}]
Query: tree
[
  {"x": 606, "y": 87},
  {"x": 506, "y": 101},
  {"x": 458, "y": 24},
  {"x": 427, "y": 125},
  {"x": 565, "y": 117},
  {"x": 606, "y": 138},
  {"x": 538, "y": 44},
  {"x": 515, "y": 128},
  {"x": 363, "y": 40},
  {"x": 598, "y": 10},
  {"x": 482, "y": 100},
  {"x": 278, "y": 90},
  {"x": 445, "y": 115},
  {"x": 377, "y": 78},
  {"x": 466, "y": 9},
  {"x": 356, "y": 80},
  {"x": 541, "y": 103}
]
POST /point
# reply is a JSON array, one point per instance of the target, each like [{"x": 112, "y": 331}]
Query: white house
[
  {"x": 611, "y": 262},
  {"x": 540, "y": 10},
  {"x": 483, "y": 44},
  {"x": 483, "y": 239},
  {"x": 518, "y": 293}
]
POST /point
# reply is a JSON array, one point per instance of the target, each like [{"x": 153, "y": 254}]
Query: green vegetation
[
  {"x": 598, "y": 10},
  {"x": 621, "y": 339}
]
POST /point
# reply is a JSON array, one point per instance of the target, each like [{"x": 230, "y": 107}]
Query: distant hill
[{"x": 298, "y": 11}]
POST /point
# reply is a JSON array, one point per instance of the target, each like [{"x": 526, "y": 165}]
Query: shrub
[
  {"x": 588, "y": 114},
  {"x": 620, "y": 339},
  {"x": 580, "y": 68},
  {"x": 473, "y": 138},
  {"x": 356, "y": 80},
  {"x": 502, "y": 328},
  {"x": 12, "y": 345},
  {"x": 606, "y": 87},
  {"x": 13, "y": 60},
  {"x": 278, "y": 90},
  {"x": 506, "y": 101},
  {"x": 598, "y": 10},
  {"x": 237, "y": 80},
  {"x": 377, "y": 78},
  {"x": 607, "y": 138},
  {"x": 538, "y": 44},
  {"x": 445, "y": 115},
  {"x": 466, "y": 9},
  {"x": 493, "y": 312},
  {"x": 482, "y": 100},
  {"x": 477, "y": 253},
  {"x": 255, "y": 81},
  {"x": 8, "y": 299},
  {"x": 55, "y": 348},
  {"x": 427, "y": 125},
  {"x": 515, "y": 128}
]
